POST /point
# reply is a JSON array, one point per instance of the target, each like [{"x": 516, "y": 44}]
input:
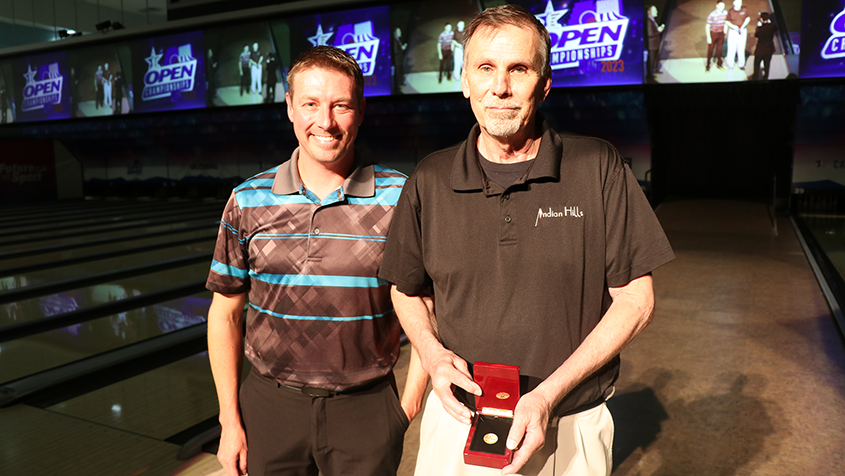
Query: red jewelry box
[{"x": 494, "y": 415}]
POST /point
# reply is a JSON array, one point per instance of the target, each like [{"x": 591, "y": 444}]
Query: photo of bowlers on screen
[
  {"x": 7, "y": 97},
  {"x": 243, "y": 66},
  {"x": 99, "y": 84},
  {"x": 427, "y": 45},
  {"x": 698, "y": 41}
]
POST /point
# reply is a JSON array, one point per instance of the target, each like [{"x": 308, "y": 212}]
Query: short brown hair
[
  {"x": 330, "y": 58},
  {"x": 497, "y": 17}
]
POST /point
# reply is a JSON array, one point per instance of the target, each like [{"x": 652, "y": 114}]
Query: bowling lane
[
  {"x": 67, "y": 301},
  {"x": 49, "y": 217},
  {"x": 93, "y": 231},
  {"x": 95, "y": 266},
  {"x": 26, "y": 356},
  {"x": 58, "y": 239},
  {"x": 158, "y": 404},
  {"x": 48, "y": 255}
]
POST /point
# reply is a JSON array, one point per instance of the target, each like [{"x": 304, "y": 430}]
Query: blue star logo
[
  {"x": 30, "y": 74},
  {"x": 153, "y": 59},
  {"x": 320, "y": 38},
  {"x": 550, "y": 17}
]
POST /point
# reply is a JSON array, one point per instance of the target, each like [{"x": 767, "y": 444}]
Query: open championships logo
[
  {"x": 595, "y": 35},
  {"x": 357, "y": 39},
  {"x": 176, "y": 75},
  {"x": 835, "y": 46},
  {"x": 38, "y": 93}
]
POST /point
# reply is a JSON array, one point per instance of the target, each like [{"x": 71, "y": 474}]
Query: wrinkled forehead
[{"x": 516, "y": 35}]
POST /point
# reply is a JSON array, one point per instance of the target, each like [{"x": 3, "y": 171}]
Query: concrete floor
[{"x": 741, "y": 372}]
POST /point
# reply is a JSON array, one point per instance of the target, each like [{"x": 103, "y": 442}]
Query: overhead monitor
[
  {"x": 42, "y": 89},
  {"x": 823, "y": 31},
  {"x": 426, "y": 43},
  {"x": 7, "y": 93},
  {"x": 701, "y": 41},
  {"x": 363, "y": 33},
  {"x": 594, "y": 42},
  {"x": 100, "y": 80},
  {"x": 243, "y": 65},
  {"x": 169, "y": 72}
]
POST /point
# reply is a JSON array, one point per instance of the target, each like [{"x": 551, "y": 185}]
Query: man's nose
[
  {"x": 325, "y": 118},
  {"x": 501, "y": 84}
]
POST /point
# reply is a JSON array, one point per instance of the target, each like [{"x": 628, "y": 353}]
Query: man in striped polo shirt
[
  {"x": 302, "y": 245},
  {"x": 715, "y": 31}
]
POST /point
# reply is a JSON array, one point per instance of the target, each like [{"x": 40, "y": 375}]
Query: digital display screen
[
  {"x": 594, "y": 42},
  {"x": 711, "y": 41},
  {"x": 363, "y": 33},
  {"x": 99, "y": 82},
  {"x": 823, "y": 38},
  {"x": 7, "y": 93},
  {"x": 426, "y": 41},
  {"x": 42, "y": 89},
  {"x": 169, "y": 72},
  {"x": 243, "y": 66}
]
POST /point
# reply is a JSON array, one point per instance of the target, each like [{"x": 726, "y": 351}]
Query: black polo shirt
[{"x": 521, "y": 275}]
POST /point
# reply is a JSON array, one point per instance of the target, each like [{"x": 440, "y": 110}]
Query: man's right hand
[
  {"x": 232, "y": 450},
  {"x": 447, "y": 369}
]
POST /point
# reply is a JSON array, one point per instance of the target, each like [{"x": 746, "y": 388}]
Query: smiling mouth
[{"x": 324, "y": 139}]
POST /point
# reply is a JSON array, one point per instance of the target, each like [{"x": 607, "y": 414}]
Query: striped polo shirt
[
  {"x": 318, "y": 314},
  {"x": 716, "y": 20}
]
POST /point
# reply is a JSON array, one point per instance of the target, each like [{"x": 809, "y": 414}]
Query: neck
[
  {"x": 322, "y": 179},
  {"x": 508, "y": 150}
]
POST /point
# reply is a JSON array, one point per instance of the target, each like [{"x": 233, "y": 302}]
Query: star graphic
[
  {"x": 153, "y": 59},
  {"x": 30, "y": 74},
  {"x": 320, "y": 38},
  {"x": 550, "y": 17}
]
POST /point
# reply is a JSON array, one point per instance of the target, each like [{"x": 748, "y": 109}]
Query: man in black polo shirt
[{"x": 538, "y": 248}]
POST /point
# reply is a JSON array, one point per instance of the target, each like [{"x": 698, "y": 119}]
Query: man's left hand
[{"x": 528, "y": 432}]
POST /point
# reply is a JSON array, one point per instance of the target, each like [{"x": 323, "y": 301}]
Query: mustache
[{"x": 506, "y": 105}]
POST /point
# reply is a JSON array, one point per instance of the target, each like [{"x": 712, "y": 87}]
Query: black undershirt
[{"x": 504, "y": 174}]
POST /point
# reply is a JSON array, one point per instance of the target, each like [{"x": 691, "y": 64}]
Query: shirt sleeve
[
  {"x": 229, "y": 272},
  {"x": 635, "y": 241},
  {"x": 402, "y": 263}
]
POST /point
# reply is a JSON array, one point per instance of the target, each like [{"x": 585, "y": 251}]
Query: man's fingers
[
  {"x": 242, "y": 464},
  {"x": 516, "y": 433},
  {"x": 454, "y": 407},
  {"x": 533, "y": 439}
]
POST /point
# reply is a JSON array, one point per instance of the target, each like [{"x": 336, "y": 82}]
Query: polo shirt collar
[
  {"x": 466, "y": 170},
  {"x": 361, "y": 181}
]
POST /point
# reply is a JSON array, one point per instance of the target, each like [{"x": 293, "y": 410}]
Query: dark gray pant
[{"x": 292, "y": 434}]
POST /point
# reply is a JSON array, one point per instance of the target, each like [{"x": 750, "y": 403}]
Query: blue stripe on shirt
[
  {"x": 228, "y": 270},
  {"x": 316, "y": 280},
  {"x": 318, "y": 318}
]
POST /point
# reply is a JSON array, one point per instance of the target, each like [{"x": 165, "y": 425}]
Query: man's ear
[
  {"x": 464, "y": 83},
  {"x": 289, "y": 103}
]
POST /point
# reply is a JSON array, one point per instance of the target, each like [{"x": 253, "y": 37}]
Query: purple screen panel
[
  {"x": 42, "y": 88},
  {"x": 823, "y": 39},
  {"x": 169, "y": 72},
  {"x": 594, "y": 42},
  {"x": 364, "y": 34}
]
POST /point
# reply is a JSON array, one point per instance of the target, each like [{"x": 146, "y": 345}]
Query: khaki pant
[{"x": 579, "y": 444}]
